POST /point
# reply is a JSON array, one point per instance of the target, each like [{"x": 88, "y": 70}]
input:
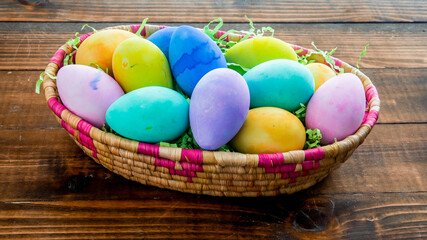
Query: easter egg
[
  {"x": 193, "y": 54},
  {"x": 257, "y": 50},
  {"x": 150, "y": 114},
  {"x": 337, "y": 108},
  {"x": 280, "y": 83},
  {"x": 218, "y": 107},
  {"x": 321, "y": 73},
  {"x": 162, "y": 38},
  {"x": 139, "y": 63},
  {"x": 87, "y": 92},
  {"x": 97, "y": 50},
  {"x": 269, "y": 130}
]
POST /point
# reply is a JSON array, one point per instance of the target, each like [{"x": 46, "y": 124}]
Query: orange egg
[
  {"x": 98, "y": 49},
  {"x": 269, "y": 130},
  {"x": 321, "y": 73}
]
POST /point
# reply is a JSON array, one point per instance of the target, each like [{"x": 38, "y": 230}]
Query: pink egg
[
  {"x": 337, "y": 107},
  {"x": 87, "y": 92}
]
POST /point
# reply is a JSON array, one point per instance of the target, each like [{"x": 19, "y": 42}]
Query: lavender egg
[
  {"x": 218, "y": 107},
  {"x": 87, "y": 92},
  {"x": 337, "y": 107}
]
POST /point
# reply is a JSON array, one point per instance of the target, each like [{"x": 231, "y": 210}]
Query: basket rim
[{"x": 173, "y": 153}]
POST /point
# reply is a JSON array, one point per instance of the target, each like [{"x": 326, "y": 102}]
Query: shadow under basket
[{"x": 230, "y": 174}]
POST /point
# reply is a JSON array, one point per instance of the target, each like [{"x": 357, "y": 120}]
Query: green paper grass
[
  {"x": 313, "y": 138},
  {"x": 361, "y": 54}
]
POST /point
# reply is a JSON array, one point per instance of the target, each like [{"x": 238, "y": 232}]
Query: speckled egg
[
  {"x": 269, "y": 130},
  {"x": 87, "y": 92},
  {"x": 251, "y": 52},
  {"x": 280, "y": 83},
  {"x": 149, "y": 114},
  {"x": 218, "y": 108},
  {"x": 162, "y": 38},
  {"x": 192, "y": 54},
  {"x": 139, "y": 63},
  {"x": 337, "y": 107}
]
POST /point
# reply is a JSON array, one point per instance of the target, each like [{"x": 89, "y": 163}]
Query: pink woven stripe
[
  {"x": 148, "y": 149},
  {"x": 67, "y": 127},
  {"x": 308, "y": 165},
  {"x": 56, "y": 106},
  {"x": 74, "y": 57},
  {"x": 371, "y": 118},
  {"x": 136, "y": 27},
  {"x": 337, "y": 61},
  {"x": 371, "y": 92},
  {"x": 84, "y": 127},
  {"x": 282, "y": 168},
  {"x": 270, "y": 160},
  {"x": 291, "y": 175},
  {"x": 162, "y": 162},
  {"x": 219, "y": 34},
  {"x": 303, "y": 52},
  {"x": 83, "y": 37},
  {"x": 88, "y": 142},
  {"x": 161, "y": 27},
  {"x": 58, "y": 57},
  {"x": 192, "y": 155},
  {"x": 314, "y": 154},
  {"x": 83, "y": 139},
  {"x": 191, "y": 167}
]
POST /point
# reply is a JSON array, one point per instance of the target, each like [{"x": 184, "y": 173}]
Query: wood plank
[
  {"x": 301, "y": 216},
  {"x": 206, "y": 10},
  {"x": 29, "y": 46},
  {"x": 46, "y": 165}
]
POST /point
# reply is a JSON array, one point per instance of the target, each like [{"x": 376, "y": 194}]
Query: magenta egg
[
  {"x": 87, "y": 92},
  {"x": 337, "y": 108},
  {"x": 218, "y": 108}
]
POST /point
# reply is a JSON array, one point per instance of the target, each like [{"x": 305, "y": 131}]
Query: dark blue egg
[
  {"x": 162, "y": 38},
  {"x": 192, "y": 54}
]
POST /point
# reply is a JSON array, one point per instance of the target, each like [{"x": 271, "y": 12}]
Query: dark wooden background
[{"x": 50, "y": 190}]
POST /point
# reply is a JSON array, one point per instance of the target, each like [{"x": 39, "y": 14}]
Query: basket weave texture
[{"x": 214, "y": 173}]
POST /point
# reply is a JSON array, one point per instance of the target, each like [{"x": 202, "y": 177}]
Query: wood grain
[
  {"x": 206, "y": 10},
  {"x": 42, "y": 164},
  {"x": 352, "y": 216},
  {"x": 29, "y": 46}
]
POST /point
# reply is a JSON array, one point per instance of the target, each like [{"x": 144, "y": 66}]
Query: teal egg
[
  {"x": 150, "y": 114},
  {"x": 280, "y": 83}
]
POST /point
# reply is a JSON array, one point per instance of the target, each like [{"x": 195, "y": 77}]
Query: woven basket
[{"x": 215, "y": 173}]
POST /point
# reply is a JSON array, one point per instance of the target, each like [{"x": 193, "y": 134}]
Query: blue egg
[
  {"x": 280, "y": 83},
  {"x": 162, "y": 38},
  {"x": 192, "y": 54},
  {"x": 150, "y": 114}
]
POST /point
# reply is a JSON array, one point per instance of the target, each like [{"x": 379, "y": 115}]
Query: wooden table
[{"x": 50, "y": 190}]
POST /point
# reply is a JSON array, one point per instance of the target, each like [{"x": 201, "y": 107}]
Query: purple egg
[
  {"x": 337, "y": 108},
  {"x": 87, "y": 92},
  {"x": 218, "y": 108}
]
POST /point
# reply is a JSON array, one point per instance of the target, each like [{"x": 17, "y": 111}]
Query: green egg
[{"x": 254, "y": 51}]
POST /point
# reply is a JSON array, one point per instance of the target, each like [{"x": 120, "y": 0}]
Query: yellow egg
[
  {"x": 321, "y": 73},
  {"x": 138, "y": 63},
  {"x": 254, "y": 51},
  {"x": 98, "y": 49},
  {"x": 269, "y": 130}
]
